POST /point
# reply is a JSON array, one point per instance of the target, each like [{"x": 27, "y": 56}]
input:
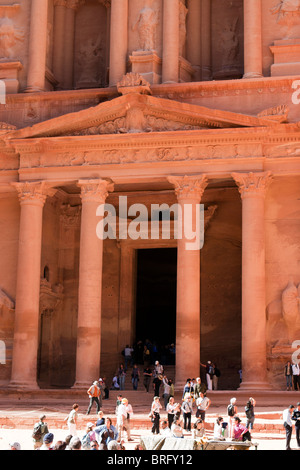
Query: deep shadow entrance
[{"x": 156, "y": 295}]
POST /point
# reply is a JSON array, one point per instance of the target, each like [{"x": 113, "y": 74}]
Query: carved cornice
[
  {"x": 253, "y": 184},
  {"x": 95, "y": 190},
  {"x": 189, "y": 187}
]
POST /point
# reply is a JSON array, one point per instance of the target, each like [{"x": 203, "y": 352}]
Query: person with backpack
[
  {"x": 231, "y": 413},
  {"x": 89, "y": 437},
  {"x": 209, "y": 369},
  {"x": 40, "y": 430},
  {"x": 250, "y": 415}
]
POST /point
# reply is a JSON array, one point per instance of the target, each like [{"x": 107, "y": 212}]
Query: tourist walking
[
  {"x": 128, "y": 356},
  {"x": 94, "y": 392},
  {"x": 155, "y": 412},
  {"x": 170, "y": 409},
  {"x": 147, "y": 378},
  {"x": 166, "y": 394},
  {"x": 135, "y": 377},
  {"x": 40, "y": 429},
  {"x": 296, "y": 418},
  {"x": 250, "y": 415},
  {"x": 288, "y": 425},
  {"x": 288, "y": 372},
  {"x": 72, "y": 420},
  {"x": 187, "y": 409},
  {"x": 124, "y": 414},
  {"x": 121, "y": 377}
]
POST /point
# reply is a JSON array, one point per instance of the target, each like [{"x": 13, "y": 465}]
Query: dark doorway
[{"x": 156, "y": 295}]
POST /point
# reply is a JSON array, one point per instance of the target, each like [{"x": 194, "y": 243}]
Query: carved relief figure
[
  {"x": 146, "y": 27},
  {"x": 183, "y": 11},
  {"x": 290, "y": 308},
  {"x": 90, "y": 61},
  {"x": 9, "y": 37},
  {"x": 286, "y": 7},
  {"x": 230, "y": 43}
]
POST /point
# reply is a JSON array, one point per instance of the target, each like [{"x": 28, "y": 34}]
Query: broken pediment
[{"x": 139, "y": 112}]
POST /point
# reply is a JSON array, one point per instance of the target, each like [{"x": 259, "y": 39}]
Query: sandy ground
[{"x": 23, "y": 436}]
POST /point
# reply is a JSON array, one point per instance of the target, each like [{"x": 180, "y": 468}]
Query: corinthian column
[
  {"x": 253, "y": 38},
  {"x": 32, "y": 198},
  {"x": 37, "y": 46},
  {"x": 93, "y": 194},
  {"x": 189, "y": 191},
  {"x": 170, "y": 65},
  {"x": 118, "y": 40},
  {"x": 253, "y": 187}
]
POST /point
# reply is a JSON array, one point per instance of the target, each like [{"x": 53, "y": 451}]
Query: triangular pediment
[{"x": 142, "y": 113}]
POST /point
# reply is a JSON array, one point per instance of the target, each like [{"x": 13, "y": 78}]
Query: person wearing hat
[
  {"x": 15, "y": 446},
  {"x": 47, "y": 442},
  {"x": 94, "y": 392},
  {"x": 88, "y": 437},
  {"x": 40, "y": 429}
]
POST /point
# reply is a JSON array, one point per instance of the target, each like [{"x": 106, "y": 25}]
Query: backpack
[
  {"x": 248, "y": 411},
  {"x": 230, "y": 410},
  {"x": 86, "y": 441},
  {"x": 37, "y": 432}
]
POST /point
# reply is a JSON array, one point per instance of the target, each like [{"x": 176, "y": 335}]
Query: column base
[
  {"x": 253, "y": 75},
  {"x": 251, "y": 386},
  {"x": 81, "y": 385},
  {"x": 33, "y": 89},
  {"x": 15, "y": 384}
]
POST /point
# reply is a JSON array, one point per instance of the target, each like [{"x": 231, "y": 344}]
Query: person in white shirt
[
  {"x": 166, "y": 393},
  {"x": 171, "y": 409},
  {"x": 288, "y": 425},
  {"x": 124, "y": 414},
  {"x": 202, "y": 403},
  {"x": 296, "y": 376}
]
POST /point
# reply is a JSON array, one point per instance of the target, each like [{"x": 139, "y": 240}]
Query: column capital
[
  {"x": 74, "y": 4},
  {"x": 95, "y": 190},
  {"x": 60, "y": 3},
  {"x": 189, "y": 187},
  {"x": 33, "y": 192},
  {"x": 253, "y": 184}
]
